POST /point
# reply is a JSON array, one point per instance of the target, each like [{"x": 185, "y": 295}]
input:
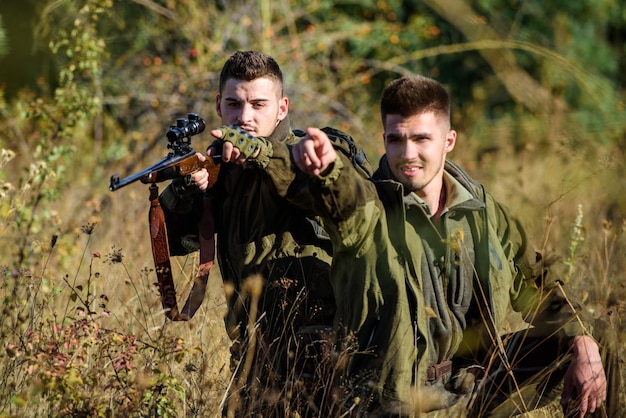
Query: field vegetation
[{"x": 88, "y": 88}]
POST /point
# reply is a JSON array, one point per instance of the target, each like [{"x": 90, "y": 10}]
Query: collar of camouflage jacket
[{"x": 282, "y": 131}]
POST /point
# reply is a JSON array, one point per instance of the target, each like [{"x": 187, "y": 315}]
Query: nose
[
  {"x": 409, "y": 150},
  {"x": 246, "y": 113}
]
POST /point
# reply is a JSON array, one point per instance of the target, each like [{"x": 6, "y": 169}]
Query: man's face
[
  {"x": 416, "y": 148},
  {"x": 256, "y": 106}
]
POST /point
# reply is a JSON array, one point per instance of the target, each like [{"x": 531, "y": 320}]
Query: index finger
[
  {"x": 310, "y": 151},
  {"x": 299, "y": 152}
]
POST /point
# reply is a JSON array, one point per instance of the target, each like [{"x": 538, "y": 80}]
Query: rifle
[{"x": 180, "y": 162}]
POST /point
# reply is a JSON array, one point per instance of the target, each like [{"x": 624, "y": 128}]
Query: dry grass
[
  {"x": 85, "y": 336},
  {"x": 82, "y": 330}
]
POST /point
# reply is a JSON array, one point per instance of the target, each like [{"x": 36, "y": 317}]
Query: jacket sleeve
[
  {"x": 344, "y": 198},
  {"x": 348, "y": 204},
  {"x": 291, "y": 183}
]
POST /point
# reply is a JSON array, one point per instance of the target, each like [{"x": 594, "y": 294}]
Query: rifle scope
[{"x": 193, "y": 125}]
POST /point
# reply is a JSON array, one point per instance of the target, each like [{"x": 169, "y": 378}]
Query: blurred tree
[
  {"x": 523, "y": 74},
  {"x": 501, "y": 59},
  {"x": 3, "y": 40}
]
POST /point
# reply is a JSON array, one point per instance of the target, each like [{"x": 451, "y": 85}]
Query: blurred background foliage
[{"x": 88, "y": 88}]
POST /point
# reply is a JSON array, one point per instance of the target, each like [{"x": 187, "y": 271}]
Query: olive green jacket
[{"x": 381, "y": 247}]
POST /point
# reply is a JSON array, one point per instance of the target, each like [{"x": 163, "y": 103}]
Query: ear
[
  {"x": 450, "y": 140},
  {"x": 283, "y": 108},
  {"x": 218, "y": 105},
  {"x": 384, "y": 134}
]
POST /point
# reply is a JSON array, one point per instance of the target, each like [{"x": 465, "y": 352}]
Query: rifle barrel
[
  {"x": 168, "y": 168},
  {"x": 170, "y": 160}
]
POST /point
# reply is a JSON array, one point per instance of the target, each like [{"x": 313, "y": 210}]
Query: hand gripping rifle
[{"x": 180, "y": 162}]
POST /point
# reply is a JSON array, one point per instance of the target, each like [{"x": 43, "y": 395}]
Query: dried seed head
[
  {"x": 88, "y": 228},
  {"x": 115, "y": 256}
]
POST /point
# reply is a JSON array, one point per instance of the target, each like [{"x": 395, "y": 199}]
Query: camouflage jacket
[
  {"x": 260, "y": 235},
  {"x": 413, "y": 292}
]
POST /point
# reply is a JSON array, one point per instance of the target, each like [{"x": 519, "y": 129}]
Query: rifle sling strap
[{"x": 162, "y": 265}]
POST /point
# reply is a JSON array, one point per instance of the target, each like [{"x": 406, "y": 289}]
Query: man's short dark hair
[
  {"x": 412, "y": 95},
  {"x": 250, "y": 65}
]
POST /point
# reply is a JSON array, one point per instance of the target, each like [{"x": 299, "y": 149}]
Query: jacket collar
[
  {"x": 282, "y": 131},
  {"x": 463, "y": 191}
]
